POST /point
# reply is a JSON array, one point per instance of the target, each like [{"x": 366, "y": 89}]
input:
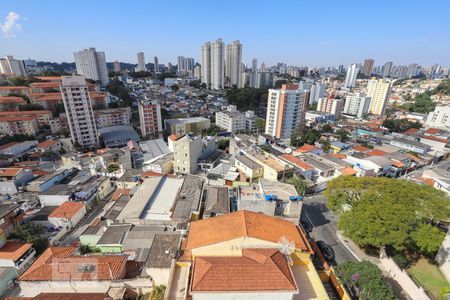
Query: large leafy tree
[
  {"x": 386, "y": 212},
  {"x": 299, "y": 184},
  {"x": 364, "y": 280},
  {"x": 428, "y": 239}
]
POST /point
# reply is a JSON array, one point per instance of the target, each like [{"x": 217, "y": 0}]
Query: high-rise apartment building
[
  {"x": 116, "y": 65},
  {"x": 92, "y": 65},
  {"x": 9, "y": 65},
  {"x": 350, "y": 78},
  {"x": 141, "y": 62},
  {"x": 368, "y": 67},
  {"x": 387, "y": 68},
  {"x": 234, "y": 63},
  {"x": 412, "y": 70},
  {"x": 357, "y": 106},
  {"x": 378, "y": 90},
  {"x": 185, "y": 65},
  {"x": 317, "y": 91},
  {"x": 439, "y": 118},
  {"x": 155, "y": 62},
  {"x": 206, "y": 64},
  {"x": 286, "y": 108},
  {"x": 198, "y": 71},
  {"x": 217, "y": 65},
  {"x": 79, "y": 112},
  {"x": 150, "y": 118},
  {"x": 331, "y": 105}
]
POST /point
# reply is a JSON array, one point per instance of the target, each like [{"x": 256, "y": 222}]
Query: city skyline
[{"x": 333, "y": 33}]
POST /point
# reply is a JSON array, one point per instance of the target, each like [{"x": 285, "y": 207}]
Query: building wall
[
  {"x": 33, "y": 288},
  {"x": 378, "y": 91},
  {"x": 439, "y": 118},
  {"x": 258, "y": 295}
]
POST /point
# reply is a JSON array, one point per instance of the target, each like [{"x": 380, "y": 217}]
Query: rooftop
[
  {"x": 255, "y": 270},
  {"x": 188, "y": 199},
  {"x": 217, "y": 200},
  {"x": 244, "y": 224},
  {"x": 249, "y": 163},
  {"x": 13, "y": 250},
  {"x": 67, "y": 210},
  {"x": 163, "y": 250}
]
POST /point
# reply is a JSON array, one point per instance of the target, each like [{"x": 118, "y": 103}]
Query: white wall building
[
  {"x": 206, "y": 64},
  {"x": 92, "y": 65},
  {"x": 9, "y": 65},
  {"x": 330, "y": 105},
  {"x": 231, "y": 119},
  {"x": 317, "y": 91},
  {"x": 217, "y": 65},
  {"x": 141, "y": 62},
  {"x": 286, "y": 109},
  {"x": 78, "y": 107},
  {"x": 350, "y": 78},
  {"x": 439, "y": 118},
  {"x": 357, "y": 106},
  {"x": 234, "y": 63}
]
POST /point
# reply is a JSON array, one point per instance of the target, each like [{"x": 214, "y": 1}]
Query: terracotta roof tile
[
  {"x": 347, "y": 171},
  {"x": 46, "y": 144},
  {"x": 360, "y": 148},
  {"x": 9, "y": 172},
  {"x": 376, "y": 152},
  {"x": 432, "y": 130},
  {"x": 255, "y": 270},
  {"x": 11, "y": 100},
  {"x": 13, "y": 250},
  {"x": 434, "y": 138},
  {"x": 119, "y": 193},
  {"x": 305, "y": 148},
  {"x": 67, "y": 210},
  {"x": 59, "y": 264},
  {"x": 244, "y": 224},
  {"x": 296, "y": 161},
  {"x": 410, "y": 131},
  {"x": 397, "y": 163}
]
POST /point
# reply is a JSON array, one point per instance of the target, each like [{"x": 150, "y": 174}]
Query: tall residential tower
[
  {"x": 234, "y": 63},
  {"x": 92, "y": 65}
]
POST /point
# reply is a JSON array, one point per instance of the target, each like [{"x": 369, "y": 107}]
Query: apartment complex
[
  {"x": 350, "y": 78},
  {"x": 378, "y": 90},
  {"x": 286, "y": 109},
  {"x": 357, "y": 106},
  {"x": 12, "y": 125},
  {"x": 141, "y": 62},
  {"x": 368, "y": 67},
  {"x": 233, "y": 66},
  {"x": 11, "y": 66},
  {"x": 213, "y": 64},
  {"x": 331, "y": 105},
  {"x": 112, "y": 117},
  {"x": 92, "y": 65},
  {"x": 188, "y": 150},
  {"x": 439, "y": 118},
  {"x": 78, "y": 107},
  {"x": 150, "y": 118}
]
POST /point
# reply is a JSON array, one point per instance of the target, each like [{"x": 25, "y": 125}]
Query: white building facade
[{"x": 92, "y": 65}]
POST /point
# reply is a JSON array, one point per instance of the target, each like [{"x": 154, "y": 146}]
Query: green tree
[
  {"x": 158, "y": 292},
  {"x": 31, "y": 106},
  {"x": 299, "y": 184},
  {"x": 223, "y": 144},
  {"x": 428, "y": 238},
  {"x": 400, "y": 125},
  {"x": 279, "y": 83},
  {"x": 343, "y": 133},
  {"x": 118, "y": 89},
  {"x": 29, "y": 233},
  {"x": 174, "y": 88},
  {"x": 364, "y": 280},
  {"x": 379, "y": 211},
  {"x": 327, "y": 128}
]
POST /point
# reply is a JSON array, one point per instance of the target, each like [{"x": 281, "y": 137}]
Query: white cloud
[{"x": 11, "y": 24}]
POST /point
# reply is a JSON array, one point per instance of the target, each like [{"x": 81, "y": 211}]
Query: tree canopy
[
  {"x": 364, "y": 280},
  {"x": 118, "y": 89},
  {"x": 379, "y": 211},
  {"x": 246, "y": 98},
  {"x": 299, "y": 184},
  {"x": 29, "y": 233},
  {"x": 400, "y": 125},
  {"x": 423, "y": 103}
]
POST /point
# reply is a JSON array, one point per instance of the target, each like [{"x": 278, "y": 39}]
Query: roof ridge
[{"x": 205, "y": 270}]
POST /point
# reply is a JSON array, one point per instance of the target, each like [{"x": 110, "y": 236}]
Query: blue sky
[{"x": 304, "y": 33}]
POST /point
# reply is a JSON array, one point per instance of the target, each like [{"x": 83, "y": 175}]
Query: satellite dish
[
  {"x": 287, "y": 248},
  {"x": 288, "y": 150}
]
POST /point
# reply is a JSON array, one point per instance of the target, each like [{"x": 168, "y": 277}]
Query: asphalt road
[{"x": 324, "y": 224}]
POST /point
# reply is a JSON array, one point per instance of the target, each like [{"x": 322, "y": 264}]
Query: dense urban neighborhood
[{"x": 221, "y": 179}]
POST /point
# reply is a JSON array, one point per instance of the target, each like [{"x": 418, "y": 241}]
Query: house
[
  {"x": 437, "y": 144},
  {"x": 60, "y": 270},
  {"x": 241, "y": 249},
  {"x": 49, "y": 146},
  {"x": 112, "y": 240},
  {"x": 217, "y": 201},
  {"x": 274, "y": 167},
  {"x": 272, "y": 198},
  {"x": 248, "y": 168},
  {"x": 67, "y": 215},
  {"x": 16, "y": 255},
  {"x": 412, "y": 146},
  {"x": 10, "y": 216},
  {"x": 337, "y": 146},
  {"x": 13, "y": 179},
  {"x": 162, "y": 164},
  {"x": 301, "y": 167},
  {"x": 440, "y": 175},
  {"x": 43, "y": 183}
]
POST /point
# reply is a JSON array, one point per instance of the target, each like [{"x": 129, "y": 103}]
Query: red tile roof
[
  {"x": 434, "y": 138},
  {"x": 411, "y": 131},
  {"x": 397, "y": 163},
  {"x": 9, "y": 172},
  {"x": 255, "y": 270},
  {"x": 360, "y": 148},
  {"x": 173, "y": 137},
  {"x": 64, "y": 296},
  {"x": 244, "y": 224},
  {"x": 432, "y": 130},
  {"x": 347, "y": 171},
  {"x": 59, "y": 264},
  {"x": 119, "y": 193},
  {"x": 11, "y": 100},
  {"x": 13, "y": 250},
  {"x": 305, "y": 148},
  {"x": 376, "y": 152},
  {"x": 296, "y": 161},
  {"x": 67, "y": 210},
  {"x": 46, "y": 144}
]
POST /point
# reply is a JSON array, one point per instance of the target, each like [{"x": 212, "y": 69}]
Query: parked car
[{"x": 326, "y": 250}]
